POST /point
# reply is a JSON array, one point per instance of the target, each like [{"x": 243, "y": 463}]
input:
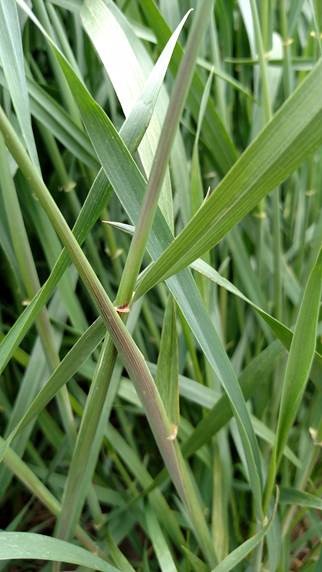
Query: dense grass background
[{"x": 161, "y": 397}]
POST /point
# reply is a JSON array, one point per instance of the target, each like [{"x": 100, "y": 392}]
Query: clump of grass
[{"x": 161, "y": 234}]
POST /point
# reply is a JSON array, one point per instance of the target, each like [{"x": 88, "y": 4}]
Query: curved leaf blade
[
  {"x": 294, "y": 132},
  {"x": 27, "y": 545}
]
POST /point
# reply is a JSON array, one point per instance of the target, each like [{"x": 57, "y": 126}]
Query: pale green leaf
[
  {"x": 27, "y": 545},
  {"x": 12, "y": 60},
  {"x": 167, "y": 378},
  {"x": 300, "y": 356}
]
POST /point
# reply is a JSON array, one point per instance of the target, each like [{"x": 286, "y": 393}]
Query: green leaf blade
[{"x": 293, "y": 133}]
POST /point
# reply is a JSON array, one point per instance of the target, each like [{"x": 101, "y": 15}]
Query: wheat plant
[{"x": 161, "y": 277}]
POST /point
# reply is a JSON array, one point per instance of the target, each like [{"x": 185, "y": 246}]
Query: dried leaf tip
[
  {"x": 315, "y": 436},
  {"x": 123, "y": 309},
  {"x": 174, "y": 432}
]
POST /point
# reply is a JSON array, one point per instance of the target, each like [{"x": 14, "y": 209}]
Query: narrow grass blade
[
  {"x": 167, "y": 378},
  {"x": 226, "y": 77},
  {"x": 159, "y": 543},
  {"x": 217, "y": 139},
  {"x": 61, "y": 375},
  {"x": 30, "y": 546},
  {"x": 101, "y": 21},
  {"x": 137, "y": 119},
  {"x": 298, "y": 367},
  {"x": 240, "y": 553},
  {"x": 19, "y": 355},
  {"x": 282, "y": 332},
  {"x": 12, "y": 59},
  {"x": 197, "y": 195},
  {"x": 300, "y": 356},
  {"x": 300, "y": 498}
]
